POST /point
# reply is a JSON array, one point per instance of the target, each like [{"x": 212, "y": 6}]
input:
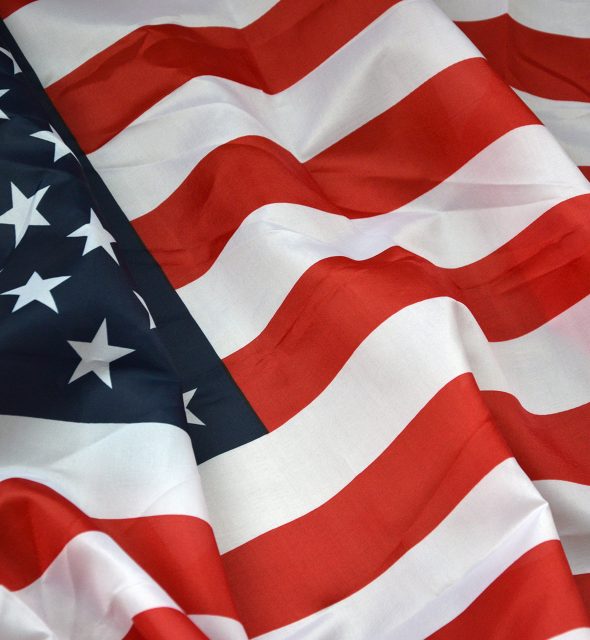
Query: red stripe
[
  {"x": 537, "y": 275},
  {"x": 179, "y": 552},
  {"x": 534, "y": 599},
  {"x": 271, "y": 54},
  {"x": 358, "y": 176},
  {"x": 544, "y": 64},
  {"x": 10, "y": 6},
  {"x": 326, "y": 555},
  {"x": 583, "y": 584},
  {"x": 164, "y": 624},
  {"x": 548, "y": 447},
  {"x": 585, "y": 171}
]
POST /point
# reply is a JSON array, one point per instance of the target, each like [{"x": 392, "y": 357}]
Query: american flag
[{"x": 294, "y": 309}]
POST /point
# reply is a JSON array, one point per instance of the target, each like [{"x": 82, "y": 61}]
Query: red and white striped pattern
[
  {"x": 392, "y": 257},
  {"x": 542, "y": 50},
  {"x": 103, "y": 527}
]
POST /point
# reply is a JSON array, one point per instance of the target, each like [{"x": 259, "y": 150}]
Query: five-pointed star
[
  {"x": 23, "y": 213},
  {"x": 191, "y": 418},
  {"x": 60, "y": 149},
  {"x": 37, "y": 288},
  {"x": 3, "y": 116},
  {"x": 16, "y": 68},
  {"x": 97, "y": 355},
  {"x": 96, "y": 236}
]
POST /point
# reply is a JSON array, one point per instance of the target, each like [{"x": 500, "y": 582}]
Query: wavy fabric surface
[
  {"x": 541, "y": 50},
  {"x": 341, "y": 253}
]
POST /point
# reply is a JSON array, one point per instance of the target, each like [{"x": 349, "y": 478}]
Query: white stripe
[
  {"x": 398, "y": 52},
  {"x": 296, "y": 468},
  {"x": 106, "y": 470},
  {"x": 547, "y": 369},
  {"x": 570, "y": 505},
  {"x": 562, "y": 17},
  {"x": 92, "y": 590},
  {"x": 471, "y": 10},
  {"x": 498, "y": 521},
  {"x": 219, "y": 628},
  {"x": 568, "y": 121},
  {"x": 18, "y": 622},
  {"x": 59, "y": 35},
  {"x": 478, "y": 209},
  {"x": 583, "y": 633}
]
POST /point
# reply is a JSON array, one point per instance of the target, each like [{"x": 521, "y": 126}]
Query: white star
[
  {"x": 152, "y": 323},
  {"x": 23, "y": 213},
  {"x": 60, "y": 149},
  {"x": 96, "y": 236},
  {"x": 3, "y": 116},
  {"x": 38, "y": 289},
  {"x": 16, "y": 69},
  {"x": 191, "y": 418},
  {"x": 97, "y": 355}
]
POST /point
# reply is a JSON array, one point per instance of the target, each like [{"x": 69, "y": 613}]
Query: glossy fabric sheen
[{"x": 374, "y": 214}]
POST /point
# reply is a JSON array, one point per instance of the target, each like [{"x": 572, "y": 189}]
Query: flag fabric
[
  {"x": 541, "y": 49},
  {"x": 102, "y": 515},
  {"x": 295, "y": 313}
]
